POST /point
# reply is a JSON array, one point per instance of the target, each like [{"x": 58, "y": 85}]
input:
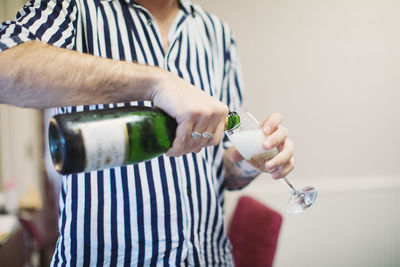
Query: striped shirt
[{"x": 167, "y": 211}]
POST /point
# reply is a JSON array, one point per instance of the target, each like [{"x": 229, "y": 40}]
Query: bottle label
[{"x": 105, "y": 143}]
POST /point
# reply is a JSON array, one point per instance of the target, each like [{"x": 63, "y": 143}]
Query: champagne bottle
[{"x": 99, "y": 139}]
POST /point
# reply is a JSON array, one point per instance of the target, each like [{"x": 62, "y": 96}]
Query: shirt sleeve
[{"x": 49, "y": 21}]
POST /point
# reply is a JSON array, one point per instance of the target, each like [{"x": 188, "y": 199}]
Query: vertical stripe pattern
[{"x": 164, "y": 212}]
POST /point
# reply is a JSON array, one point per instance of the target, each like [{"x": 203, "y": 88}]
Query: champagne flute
[{"x": 248, "y": 137}]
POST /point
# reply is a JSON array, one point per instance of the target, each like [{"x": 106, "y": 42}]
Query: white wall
[
  {"x": 8, "y": 8},
  {"x": 333, "y": 69}
]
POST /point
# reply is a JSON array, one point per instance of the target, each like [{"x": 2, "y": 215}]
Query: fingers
[
  {"x": 275, "y": 138},
  {"x": 219, "y": 132},
  {"x": 271, "y": 123},
  {"x": 283, "y": 163},
  {"x": 284, "y": 170},
  {"x": 181, "y": 138},
  {"x": 208, "y": 126}
]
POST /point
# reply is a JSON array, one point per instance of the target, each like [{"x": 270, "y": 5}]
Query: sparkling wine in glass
[{"x": 248, "y": 137}]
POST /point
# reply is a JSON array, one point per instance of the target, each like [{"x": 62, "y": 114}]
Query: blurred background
[{"x": 332, "y": 69}]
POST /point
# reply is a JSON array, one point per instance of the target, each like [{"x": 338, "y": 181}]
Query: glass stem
[{"x": 286, "y": 182}]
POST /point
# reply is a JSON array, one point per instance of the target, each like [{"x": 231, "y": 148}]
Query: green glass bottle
[{"x": 99, "y": 139}]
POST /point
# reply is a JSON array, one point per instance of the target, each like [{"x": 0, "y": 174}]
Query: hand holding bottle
[
  {"x": 98, "y": 139},
  {"x": 194, "y": 111}
]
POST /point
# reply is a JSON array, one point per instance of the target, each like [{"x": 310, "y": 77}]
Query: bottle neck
[{"x": 232, "y": 120}]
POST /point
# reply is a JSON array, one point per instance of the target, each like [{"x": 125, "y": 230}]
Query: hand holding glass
[{"x": 248, "y": 138}]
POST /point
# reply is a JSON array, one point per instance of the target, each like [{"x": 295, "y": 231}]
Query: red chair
[{"x": 254, "y": 232}]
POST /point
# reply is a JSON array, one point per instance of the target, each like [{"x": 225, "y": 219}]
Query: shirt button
[{"x": 149, "y": 22}]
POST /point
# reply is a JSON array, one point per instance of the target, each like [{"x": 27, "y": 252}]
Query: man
[{"x": 81, "y": 54}]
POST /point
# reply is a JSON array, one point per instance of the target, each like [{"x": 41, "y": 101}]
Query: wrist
[
  {"x": 236, "y": 180},
  {"x": 238, "y": 174},
  {"x": 155, "y": 78},
  {"x": 143, "y": 80},
  {"x": 246, "y": 170},
  {"x": 238, "y": 166}
]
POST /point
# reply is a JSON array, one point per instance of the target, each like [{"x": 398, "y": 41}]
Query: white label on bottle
[{"x": 105, "y": 143}]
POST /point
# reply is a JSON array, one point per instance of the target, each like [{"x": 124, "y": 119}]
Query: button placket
[{"x": 172, "y": 37}]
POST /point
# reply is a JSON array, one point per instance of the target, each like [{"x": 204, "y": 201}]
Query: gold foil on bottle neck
[{"x": 226, "y": 123}]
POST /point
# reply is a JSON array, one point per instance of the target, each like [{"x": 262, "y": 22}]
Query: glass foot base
[{"x": 301, "y": 200}]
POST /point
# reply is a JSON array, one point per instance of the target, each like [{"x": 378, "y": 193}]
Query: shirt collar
[{"x": 186, "y": 5}]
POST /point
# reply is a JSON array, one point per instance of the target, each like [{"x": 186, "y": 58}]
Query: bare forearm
[
  {"x": 239, "y": 174},
  {"x": 37, "y": 75}
]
